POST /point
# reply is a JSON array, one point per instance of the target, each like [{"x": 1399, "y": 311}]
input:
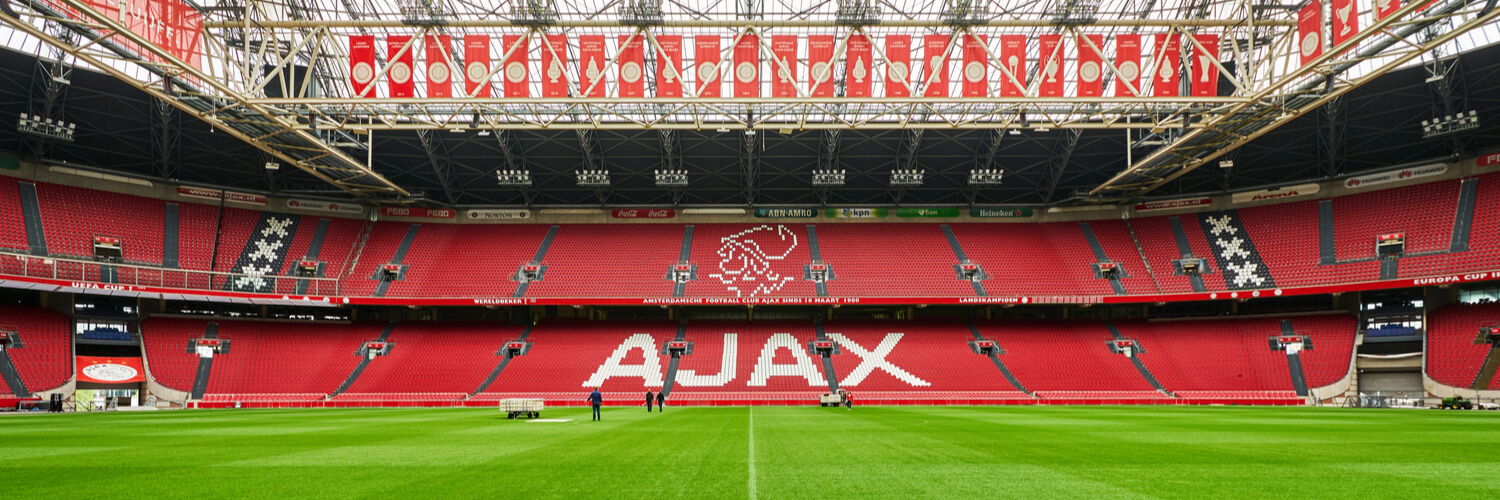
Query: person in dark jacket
[
  {"x": 661, "y": 401},
  {"x": 595, "y": 399},
  {"x": 648, "y": 400}
]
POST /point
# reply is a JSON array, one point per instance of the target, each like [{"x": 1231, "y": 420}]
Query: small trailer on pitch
[{"x": 521, "y": 408}]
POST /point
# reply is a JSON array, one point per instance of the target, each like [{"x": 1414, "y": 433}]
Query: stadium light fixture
[
  {"x": 829, "y": 177},
  {"x": 1450, "y": 124},
  {"x": 271, "y": 165},
  {"x": 907, "y": 177},
  {"x": 593, "y": 178},
  {"x": 46, "y": 127},
  {"x": 986, "y": 176},
  {"x": 513, "y": 178},
  {"x": 672, "y": 178}
]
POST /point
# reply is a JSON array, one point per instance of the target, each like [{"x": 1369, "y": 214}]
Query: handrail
[{"x": 70, "y": 268}]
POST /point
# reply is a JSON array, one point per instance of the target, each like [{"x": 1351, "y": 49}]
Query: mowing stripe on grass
[{"x": 752, "y": 453}]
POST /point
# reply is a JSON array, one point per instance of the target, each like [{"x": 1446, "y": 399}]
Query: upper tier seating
[
  {"x": 610, "y": 260},
  {"x": 1114, "y": 237},
  {"x": 1066, "y": 359},
  {"x": 12, "y": 224},
  {"x": 1160, "y": 247},
  {"x": 1484, "y": 235},
  {"x": 443, "y": 360},
  {"x": 1038, "y": 259},
  {"x": 73, "y": 216},
  {"x": 883, "y": 260},
  {"x": 1453, "y": 358},
  {"x": 1423, "y": 211},
  {"x": 457, "y": 261},
  {"x": 46, "y": 361},
  {"x": 380, "y": 247},
  {"x": 750, "y": 260}
]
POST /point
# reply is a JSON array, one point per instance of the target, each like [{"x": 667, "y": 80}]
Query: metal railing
[{"x": 109, "y": 273}]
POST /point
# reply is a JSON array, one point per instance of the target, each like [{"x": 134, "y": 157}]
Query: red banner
[
  {"x": 1128, "y": 62},
  {"x": 706, "y": 62},
  {"x": 1310, "y": 31},
  {"x": 421, "y": 213},
  {"x": 517, "y": 82},
  {"x": 591, "y": 66},
  {"x": 1345, "y": 20},
  {"x": 170, "y": 24},
  {"x": 555, "y": 66},
  {"x": 784, "y": 50},
  {"x": 859, "y": 62},
  {"x": 820, "y": 64},
  {"x": 1166, "y": 59},
  {"x": 747, "y": 66},
  {"x": 399, "y": 50},
  {"x": 632, "y": 64},
  {"x": 1384, "y": 8},
  {"x": 362, "y": 65},
  {"x": 934, "y": 66},
  {"x": 1488, "y": 159},
  {"x": 477, "y": 65},
  {"x": 669, "y": 66},
  {"x": 439, "y": 65},
  {"x": 1090, "y": 66},
  {"x": 976, "y": 69},
  {"x": 1205, "y": 71},
  {"x": 897, "y": 65},
  {"x": 1013, "y": 57},
  {"x": 1051, "y": 65},
  {"x": 99, "y": 370},
  {"x": 643, "y": 213}
]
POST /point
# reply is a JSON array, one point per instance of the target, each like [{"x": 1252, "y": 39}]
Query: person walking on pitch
[
  {"x": 661, "y": 401},
  {"x": 595, "y": 399},
  {"x": 648, "y": 400}
]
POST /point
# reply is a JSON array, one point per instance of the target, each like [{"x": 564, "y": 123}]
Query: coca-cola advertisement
[{"x": 643, "y": 213}]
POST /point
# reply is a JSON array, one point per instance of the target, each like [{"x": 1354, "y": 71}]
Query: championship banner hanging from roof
[
  {"x": 1090, "y": 66},
  {"x": 439, "y": 65},
  {"x": 1310, "y": 31},
  {"x": 591, "y": 66},
  {"x": 632, "y": 65},
  {"x": 99, "y": 370},
  {"x": 934, "y": 66},
  {"x": 669, "y": 66},
  {"x": 897, "y": 65},
  {"x": 747, "y": 66},
  {"x": 1013, "y": 57},
  {"x": 858, "y": 62},
  {"x": 1166, "y": 59},
  {"x": 976, "y": 69},
  {"x": 516, "y": 72},
  {"x": 1128, "y": 62},
  {"x": 1384, "y": 8},
  {"x": 477, "y": 65},
  {"x": 1345, "y": 20},
  {"x": 362, "y": 65},
  {"x": 784, "y": 65},
  {"x": 555, "y": 66},
  {"x": 1051, "y": 61},
  {"x": 820, "y": 65},
  {"x": 1205, "y": 70},
  {"x": 399, "y": 51},
  {"x": 706, "y": 62}
]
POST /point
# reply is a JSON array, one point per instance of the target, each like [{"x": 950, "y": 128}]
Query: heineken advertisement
[
  {"x": 854, "y": 213},
  {"x": 1001, "y": 213},
  {"x": 927, "y": 212},
  {"x": 786, "y": 213}
]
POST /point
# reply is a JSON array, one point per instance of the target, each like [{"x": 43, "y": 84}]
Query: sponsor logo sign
[
  {"x": 1001, "y": 213},
  {"x": 1171, "y": 204},
  {"x": 1275, "y": 194},
  {"x": 785, "y": 213},
  {"x": 499, "y": 214},
  {"x": 1389, "y": 176},
  {"x": 110, "y": 370},
  {"x": 854, "y": 213},
  {"x": 927, "y": 212},
  {"x": 420, "y": 213},
  {"x": 643, "y": 213},
  {"x": 326, "y": 206},
  {"x": 1489, "y": 159},
  {"x": 172, "y": 25},
  {"x": 9, "y": 163},
  {"x": 214, "y": 194}
]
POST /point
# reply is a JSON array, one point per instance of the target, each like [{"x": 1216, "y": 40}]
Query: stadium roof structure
[{"x": 276, "y": 75}]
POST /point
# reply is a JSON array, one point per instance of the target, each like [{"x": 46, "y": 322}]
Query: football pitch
[{"x": 765, "y": 453}]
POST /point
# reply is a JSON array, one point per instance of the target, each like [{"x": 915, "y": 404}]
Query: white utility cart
[{"x": 521, "y": 408}]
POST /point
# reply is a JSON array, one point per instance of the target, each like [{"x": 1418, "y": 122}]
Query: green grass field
[{"x": 740, "y": 453}]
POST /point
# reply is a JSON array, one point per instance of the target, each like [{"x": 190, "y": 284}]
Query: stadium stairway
[
  {"x": 1099, "y": 256},
  {"x": 400, "y": 255},
  {"x": 828, "y": 373},
  {"x": 816, "y": 254},
  {"x": 171, "y": 218},
  {"x": 670, "y": 380},
  {"x": 1136, "y": 360},
  {"x": 500, "y": 367},
  {"x": 1184, "y": 249},
  {"x": 1463, "y": 221},
  {"x": 205, "y": 365},
  {"x": 684, "y": 256},
  {"x": 1487, "y": 371},
  {"x": 12, "y": 378},
  {"x": 1294, "y": 362},
  {"x": 958, "y": 252},
  {"x": 995, "y": 358},
  {"x": 541, "y": 253},
  {"x": 31, "y": 214},
  {"x": 314, "y": 249},
  {"x": 364, "y": 360}
]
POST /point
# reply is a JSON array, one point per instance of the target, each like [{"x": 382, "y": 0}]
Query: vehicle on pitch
[
  {"x": 522, "y": 408},
  {"x": 1456, "y": 403},
  {"x": 1487, "y": 406}
]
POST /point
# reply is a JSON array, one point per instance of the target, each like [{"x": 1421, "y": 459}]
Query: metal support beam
[
  {"x": 1057, "y": 162},
  {"x": 442, "y": 165},
  {"x": 906, "y": 159},
  {"x": 1333, "y": 128},
  {"x": 49, "y": 86},
  {"x": 750, "y": 150},
  {"x": 515, "y": 159},
  {"x": 828, "y": 160},
  {"x": 166, "y": 137},
  {"x": 671, "y": 159},
  {"x": 593, "y": 159},
  {"x": 984, "y": 159}
]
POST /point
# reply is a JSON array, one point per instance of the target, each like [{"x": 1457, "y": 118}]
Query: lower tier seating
[
  {"x": 442, "y": 360},
  {"x": 1453, "y": 356},
  {"x": 46, "y": 360}
]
